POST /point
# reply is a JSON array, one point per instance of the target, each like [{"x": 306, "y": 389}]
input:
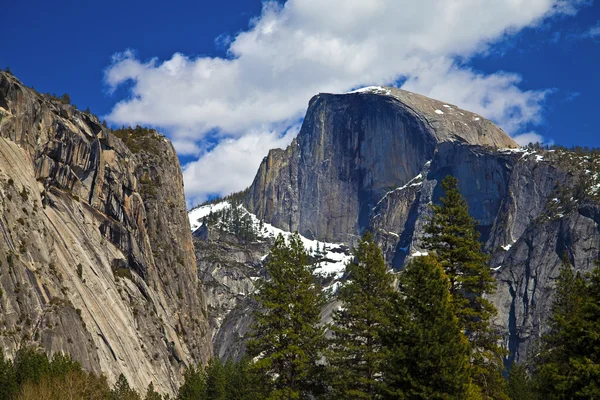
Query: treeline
[
  {"x": 138, "y": 138},
  {"x": 557, "y": 147},
  {"x": 32, "y": 376},
  {"x": 235, "y": 220},
  {"x": 423, "y": 334},
  {"x": 429, "y": 338}
]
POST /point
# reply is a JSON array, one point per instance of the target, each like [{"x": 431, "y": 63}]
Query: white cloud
[
  {"x": 293, "y": 51},
  {"x": 232, "y": 164},
  {"x": 530, "y": 137}
]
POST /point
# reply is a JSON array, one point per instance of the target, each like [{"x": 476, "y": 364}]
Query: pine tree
[
  {"x": 122, "y": 391},
  {"x": 194, "y": 384},
  {"x": 519, "y": 386},
  {"x": 287, "y": 339},
  {"x": 568, "y": 365},
  {"x": 242, "y": 384},
  {"x": 428, "y": 353},
  {"x": 152, "y": 394},
  {"x": 216, "y": 380},
  {"x": 453, "y": 240},
  {"x": 356, "y": 353},
  {"x": 8, "y": 378}
]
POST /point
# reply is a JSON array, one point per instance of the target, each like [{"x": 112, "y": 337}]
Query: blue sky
[{"x": 229, "y": 80}]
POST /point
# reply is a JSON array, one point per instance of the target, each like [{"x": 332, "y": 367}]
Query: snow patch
[
  {"x": 372, "y": 89},
  {"x": 195, "y": 215},
  {"x": 420, "y": 254},
  {"x": 334, "y": 256},
  {"x": 439, "y": 112}
]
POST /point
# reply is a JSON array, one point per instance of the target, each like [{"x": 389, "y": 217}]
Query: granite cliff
[{"x": 96, "y": 258}]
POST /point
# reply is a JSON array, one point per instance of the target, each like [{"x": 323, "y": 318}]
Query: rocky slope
[
  {"x": 374, "y": 159},
  {"x": 96, "y": 259},
  {"x": 230, "y": 265}
]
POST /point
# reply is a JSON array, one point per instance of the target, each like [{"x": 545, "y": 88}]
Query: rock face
[
  {"x": 229, "y": 268},
  {"x": 351, "y": 151},
  {"x": 374, "y": 159},
  {"x": 96, "y": 258}
]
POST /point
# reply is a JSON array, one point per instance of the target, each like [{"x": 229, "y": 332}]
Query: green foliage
[
  {"x": 152, "y": 394},
  {"x": 120, "y": 273},
  {"x": 237, "y": 197},
  {"x": 453, "y": 240},
  {"x": 429, "y": 355},
  {"x": 8, "y": 378},
  {"x": 194, "y": 385},
  {"x": 235, "y": 220},
  {"x": 122, "y": 391},
  {"x": 8, "y": 71},
  {"x": 30, "y": 365},
  {"x": 568, "y": 365},
  {"x": 519, "y": 386},
  {"x": 216, "y": 380},
  {"x": 80, "y": 271},
  {"x": 286, "y": 338},
  {"x": 355, "y": 353},
  {"x": 139, "y": 138}
]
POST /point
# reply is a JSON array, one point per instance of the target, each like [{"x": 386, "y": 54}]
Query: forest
[{"x": 423, "y": 333}]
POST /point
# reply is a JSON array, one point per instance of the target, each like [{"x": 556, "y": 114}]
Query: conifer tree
[
  {"x": 194, "y": 384},
  {"x": 356, "y": 354},
  {"x": 428, "y": 353},
  {"x": 152, "y": 394},
  {"x": 519, "y": 386},
  {"x": 287, "y": 339},
  {"x": 453, "y": 240},
  {"x": 8, "y": 378},
  {"x": 216, "y": 380},
  {"x": 122, "y": 391},
  {"x": 568, "y": 365}
]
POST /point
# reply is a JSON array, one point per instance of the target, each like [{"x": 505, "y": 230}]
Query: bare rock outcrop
[{"x": 96, "y": 258}]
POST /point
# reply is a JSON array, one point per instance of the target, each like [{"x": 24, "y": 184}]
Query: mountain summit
[{"x": 354, "y": 148}]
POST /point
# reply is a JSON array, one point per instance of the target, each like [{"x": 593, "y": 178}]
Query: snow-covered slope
[{"x": 333, "y": 256}]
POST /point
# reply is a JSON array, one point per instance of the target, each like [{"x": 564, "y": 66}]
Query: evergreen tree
[
  {"x": 8, "y": 378},
  {"x": 453, "y": 240},
  {"x": 216, "y": 380},
  {"x": 194, "y": 385},
  {"x": 287, "y": 339},
  {"x": 122, "y": 391},
  {"x": 428, "y": 353},
  {"x": 241, "y": 383},
  {"x": 30, "y": 366},
  {"x": 519, "y": 386},
  {"x": 568, "y": 365},
  {"x": 152, "y": 394},
  {"x": 356, "y": 353}
]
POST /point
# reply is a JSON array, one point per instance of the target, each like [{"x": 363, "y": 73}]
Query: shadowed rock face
[
  {"x": 353, "y": 149},
  {"x": 96, "y": 258},
  {"x": 374, "y": 161}
]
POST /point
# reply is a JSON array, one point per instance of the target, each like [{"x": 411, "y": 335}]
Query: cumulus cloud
[
  {"x": 232, "y": 164},
  {"x": 297, "y": 49}
]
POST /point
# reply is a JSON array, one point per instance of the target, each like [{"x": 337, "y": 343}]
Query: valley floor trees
[
  {"x": 454, "y": 242},
  {"x": 288, "y": 340},
  {"x": 356, "y": 355}
]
